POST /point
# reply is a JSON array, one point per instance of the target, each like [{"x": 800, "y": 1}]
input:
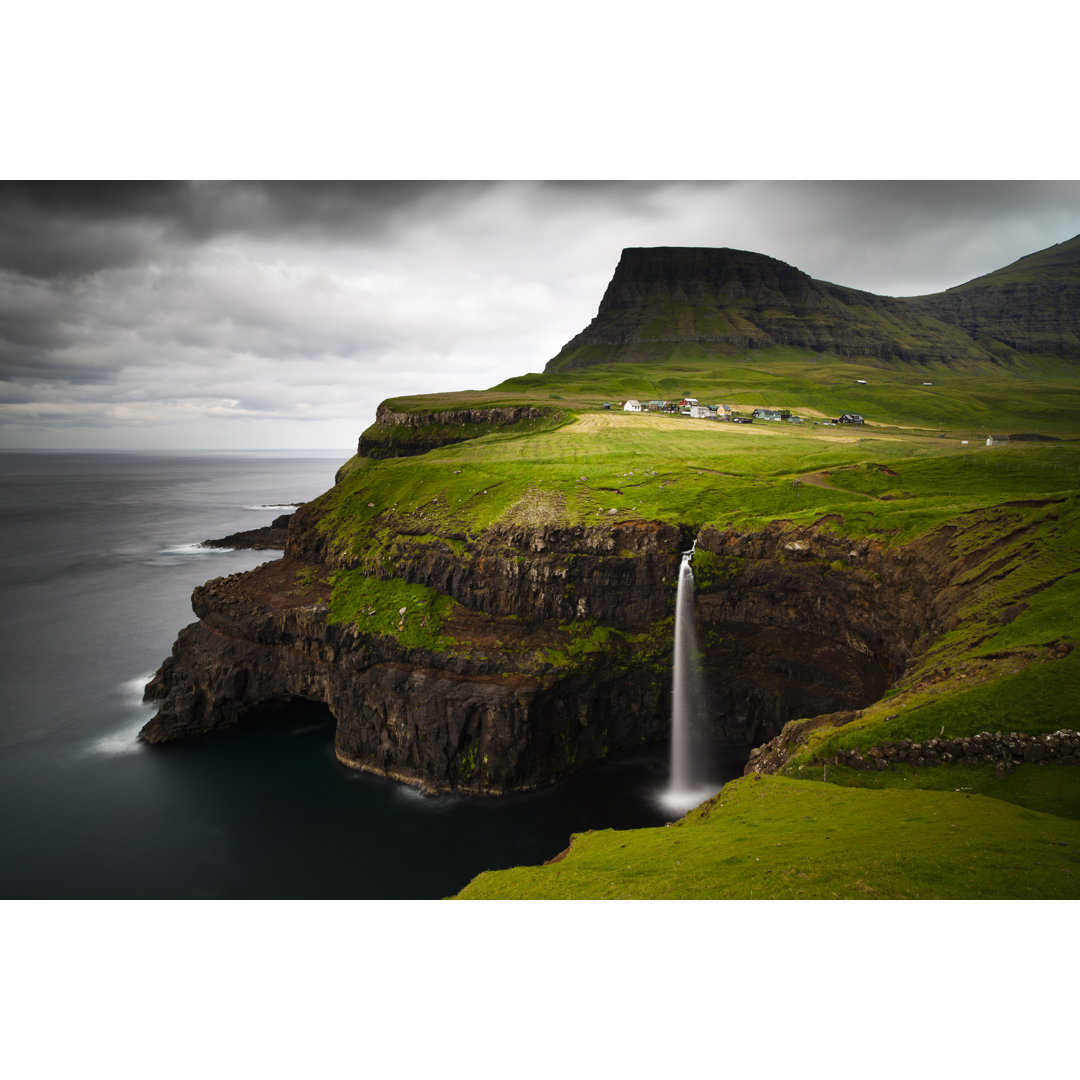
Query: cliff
[
  {"x": 555, "y": 648},
  {"x": 506, "y": 697},
  {"x": 400, "y": 433}
]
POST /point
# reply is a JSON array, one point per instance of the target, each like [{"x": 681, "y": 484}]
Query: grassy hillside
[{"x": 1032, "y": 305}]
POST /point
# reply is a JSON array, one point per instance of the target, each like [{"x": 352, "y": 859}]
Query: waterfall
[
  {"x": 688, "y": 785},
  {"x": 684, "y": 668}
]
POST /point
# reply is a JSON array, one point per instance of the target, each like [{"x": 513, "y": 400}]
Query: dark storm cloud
[
  {"x": 65, "y": 229},
  {"x": 68, "y": 229}
]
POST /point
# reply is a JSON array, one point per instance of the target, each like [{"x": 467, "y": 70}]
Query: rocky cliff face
[
  {"x": 406, "y": 434},
  {"x": 660, "y": 298},
  {"x": 561, "y": 645},
  {"x": 801, "y": 622},
  {"x": 513, "y": 704}
]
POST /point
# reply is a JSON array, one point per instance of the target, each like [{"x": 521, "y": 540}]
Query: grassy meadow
[{"x": 769, "y": 837}]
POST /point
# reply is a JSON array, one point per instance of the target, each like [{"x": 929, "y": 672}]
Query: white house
[
  {"x": 633, "y": 405},
  {"x": 701, "y": 412}
]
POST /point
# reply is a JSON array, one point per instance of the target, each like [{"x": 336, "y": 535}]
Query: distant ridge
[
  {"x": 1031, "y": 305},
  {"x": 663, "y": 299}
]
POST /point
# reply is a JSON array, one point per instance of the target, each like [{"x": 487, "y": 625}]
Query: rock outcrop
[
  {"x": 396, "y": 433},
  {"x": 800, "y": 621},
  {"x": 270, "y": 537},
  {"x": 514, "y": 703}
]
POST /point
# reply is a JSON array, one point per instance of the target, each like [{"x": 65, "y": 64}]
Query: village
[{"x": 689, "y": 406}]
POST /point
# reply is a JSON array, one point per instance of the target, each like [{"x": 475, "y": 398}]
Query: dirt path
[
  {"x": 591, "y": 423},
  {"x": 816, "y": 479}
]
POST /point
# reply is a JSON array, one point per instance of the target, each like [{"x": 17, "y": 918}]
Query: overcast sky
[{"x": 227, "y": 315}]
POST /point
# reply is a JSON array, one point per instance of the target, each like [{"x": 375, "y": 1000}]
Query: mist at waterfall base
[
  {"x": 101, "y": 553},
  {"x": 696, "y": 772}
]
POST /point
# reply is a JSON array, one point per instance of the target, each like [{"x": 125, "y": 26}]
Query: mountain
[
  {"x": 667, "y": 299},
  {"x": 1031, "y": 306}
]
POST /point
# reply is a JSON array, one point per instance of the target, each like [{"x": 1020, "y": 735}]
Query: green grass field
[{"x": 771, "y": 837}]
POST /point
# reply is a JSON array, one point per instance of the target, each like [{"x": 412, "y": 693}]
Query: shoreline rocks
[{"x": 270, "y": 537}]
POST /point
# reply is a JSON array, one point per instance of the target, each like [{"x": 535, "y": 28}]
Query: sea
[{"x": 101, "y": 552}]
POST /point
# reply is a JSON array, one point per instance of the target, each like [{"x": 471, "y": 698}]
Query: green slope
[{"x": 769, "y": 837}]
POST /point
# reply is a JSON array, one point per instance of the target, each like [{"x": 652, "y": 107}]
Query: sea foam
[{"x": 124, "y": 739}]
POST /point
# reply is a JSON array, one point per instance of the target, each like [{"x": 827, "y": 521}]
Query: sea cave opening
[{"x": 289, "y": 714}]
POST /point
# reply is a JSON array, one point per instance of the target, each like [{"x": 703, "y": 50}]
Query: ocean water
[{"x": 100, "y": 555}]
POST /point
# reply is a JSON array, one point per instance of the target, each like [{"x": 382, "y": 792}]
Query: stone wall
[{"x": 1002, "y": 750}]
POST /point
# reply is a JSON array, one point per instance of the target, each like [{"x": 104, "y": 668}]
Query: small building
[
  {"x": 996, "y": 440},
  {"x": 851, "y": 418},
  {"x": 771, "y": 414},
  {"x": 607, "y": 404},
  {"x": 928, "y": 384},
  {"x": 633, "y": 405},
  {"x": 657, "y": 406},
  {"x": 701, "y": 412}
]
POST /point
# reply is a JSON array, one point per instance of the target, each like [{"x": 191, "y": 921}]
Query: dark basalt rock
[
  {"x": 804, "y": 623},
  {"x": 407, "y": 434},
  {"x": 792, "y": 622},
  {"x": 270, "y": 537},
  {"x": 623, "y": 576},
  {"x": 492, "y": 721}
]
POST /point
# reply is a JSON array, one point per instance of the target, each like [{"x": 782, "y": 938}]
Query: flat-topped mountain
[{"x": 663, "y": 300}]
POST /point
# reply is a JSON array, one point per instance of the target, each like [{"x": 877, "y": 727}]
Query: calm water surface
[{"x": 100, "y": 558}]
